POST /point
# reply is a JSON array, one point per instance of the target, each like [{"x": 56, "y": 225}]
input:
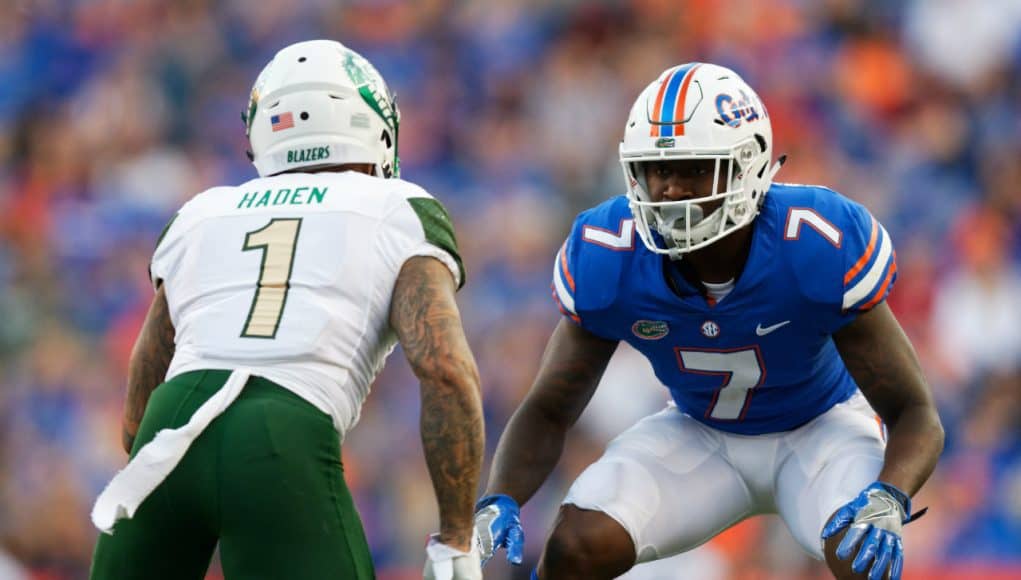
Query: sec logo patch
[{"x": 710, "y": 329}]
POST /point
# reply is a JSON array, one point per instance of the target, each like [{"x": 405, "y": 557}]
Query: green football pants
[{"x": 264, "y": 480}]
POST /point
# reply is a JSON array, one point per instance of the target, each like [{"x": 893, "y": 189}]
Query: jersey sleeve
[
  {"x": 841, "y": 255},
  {"x": 586, "y": 274},
  {"x": 439, "y": 235},
  {"x": 421, "y": 226},
  {"x": 870, "y": 263},
  {"x": 564, "y": 286},
  {"x": 863, "y": 272},
  {"x": 162, "y": 263}
]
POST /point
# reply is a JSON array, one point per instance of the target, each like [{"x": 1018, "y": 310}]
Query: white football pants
[{"x": 674, "y": 483}]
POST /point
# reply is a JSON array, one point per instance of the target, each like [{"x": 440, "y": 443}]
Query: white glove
[{"x": 446, "y": 563}]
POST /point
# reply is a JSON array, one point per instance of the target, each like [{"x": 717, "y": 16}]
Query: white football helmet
[
  {"x": 698, "y": 111},
  {"x": 320, "y": 103}
]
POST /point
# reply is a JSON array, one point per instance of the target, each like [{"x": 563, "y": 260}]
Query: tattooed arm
[
  {"x": 428, "y": 325},
  {"x": 531, "y": 445},
  {"x": 150, "y": 359},
  {"x": 883, "y": 363}
]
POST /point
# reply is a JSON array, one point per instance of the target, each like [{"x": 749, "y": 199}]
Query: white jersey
[{"x": 291, "y": 276}]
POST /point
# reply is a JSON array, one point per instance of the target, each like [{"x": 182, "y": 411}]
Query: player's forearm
[
  {"x": 453, "y": 439},
  {"x": 425, "y": 316},
  {"x": 914, "y": 445},
  {"x": 531, "y": 445},
  {"x": 147, "y": 368},
  {"x": 528, "y": 451},
  {"x": 884, "y": 365}
]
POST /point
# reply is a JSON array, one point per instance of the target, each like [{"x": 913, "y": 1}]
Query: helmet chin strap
[
  {"x": 675, "y": 231},
  {"x": 776, "y": 167},
  {"x": 671, "y": 217}
]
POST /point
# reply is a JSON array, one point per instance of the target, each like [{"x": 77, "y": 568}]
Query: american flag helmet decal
[{"x": 282, "y": 121}]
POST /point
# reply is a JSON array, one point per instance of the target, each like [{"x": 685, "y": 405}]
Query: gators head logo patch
[{"x": 650, "y": 329}]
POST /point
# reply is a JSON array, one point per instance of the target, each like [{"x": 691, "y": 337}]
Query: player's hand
[
  {"x": 498, "y": 525},
  {"x": 446, "y": 563},
  {"x": 874, "y": 520}
]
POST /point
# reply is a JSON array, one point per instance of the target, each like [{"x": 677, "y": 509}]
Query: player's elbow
[
  {"x": 923, "y": 418},
  {"x": 938, "y": 434},
  {"x": 934, "y": 424},
  {"x": 448, "y": 376},
  {"x": 543, "y": 414}
]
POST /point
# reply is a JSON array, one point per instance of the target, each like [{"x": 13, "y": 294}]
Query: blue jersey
[{"x": 762, "y": 360}]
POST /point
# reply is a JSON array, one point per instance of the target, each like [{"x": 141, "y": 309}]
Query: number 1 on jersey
[{"x": 277, "y": 240}]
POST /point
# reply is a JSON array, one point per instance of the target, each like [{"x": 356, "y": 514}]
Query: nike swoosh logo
[{"x": 763, "y": 331}]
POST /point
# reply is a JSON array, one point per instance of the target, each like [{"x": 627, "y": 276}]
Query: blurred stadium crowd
[{"x": 114, "y": 112}]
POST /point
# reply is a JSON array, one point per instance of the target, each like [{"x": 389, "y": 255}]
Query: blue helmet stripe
[{"x": 670, "y": 99}]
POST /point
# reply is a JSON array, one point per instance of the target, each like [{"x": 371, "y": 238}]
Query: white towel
[{"x": 154, "y": 462}]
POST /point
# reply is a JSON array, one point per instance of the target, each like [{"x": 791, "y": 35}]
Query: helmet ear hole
[{"x": 385, "y": 138}]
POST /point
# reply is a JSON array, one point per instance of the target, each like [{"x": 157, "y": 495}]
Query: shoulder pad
[
  {"x": 207, "y": 200},
  {"x": 407, "y": 189},
  {"x": 175, "y": 231}
]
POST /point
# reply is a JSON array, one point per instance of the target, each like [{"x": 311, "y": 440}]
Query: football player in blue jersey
[{"x": 761, "y": 308}]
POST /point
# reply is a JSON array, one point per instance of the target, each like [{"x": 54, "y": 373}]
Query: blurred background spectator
[{"x": 114, "y": 112}]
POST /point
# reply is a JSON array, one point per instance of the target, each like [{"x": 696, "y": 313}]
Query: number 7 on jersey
[
  {"x": 742, "y": 372},
  {"x": 277, "y": 240}
]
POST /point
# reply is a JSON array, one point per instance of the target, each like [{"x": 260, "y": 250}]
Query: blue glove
[
  {"x": 875, "y": 518},
  {"x": 498, "y": 525}
]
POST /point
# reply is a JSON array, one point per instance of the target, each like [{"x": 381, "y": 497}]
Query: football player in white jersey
[{"x": 277, "y": 302}]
